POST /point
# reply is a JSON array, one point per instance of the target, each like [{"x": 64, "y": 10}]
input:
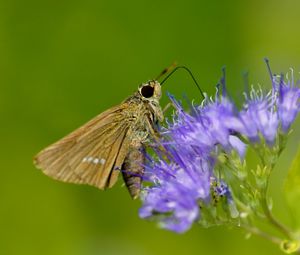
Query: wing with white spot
[{"x": 90, "y": 154}]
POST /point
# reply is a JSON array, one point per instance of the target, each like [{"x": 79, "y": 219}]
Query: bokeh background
[{"x": 63, "y": 62}]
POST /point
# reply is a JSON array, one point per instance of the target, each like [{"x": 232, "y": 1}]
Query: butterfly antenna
[
  {"x": 166, "y": 70},
  {"x": 190, "y": 73}
]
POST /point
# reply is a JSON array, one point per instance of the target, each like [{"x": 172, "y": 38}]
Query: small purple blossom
[
  {"x": 220, "y": 188},
  {"x": 259, "y": 116},
  {"x": 181, "y": 177},
  {"x": 288, "y": 103}
]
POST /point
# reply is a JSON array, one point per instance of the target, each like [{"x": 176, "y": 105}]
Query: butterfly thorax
[{"x": 144, "y": 115}]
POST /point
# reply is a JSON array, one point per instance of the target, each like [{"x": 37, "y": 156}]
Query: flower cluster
[{"x": 188, "y": 175}]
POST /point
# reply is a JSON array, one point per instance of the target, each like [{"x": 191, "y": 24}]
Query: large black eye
[{"x": 147, "y": 91}]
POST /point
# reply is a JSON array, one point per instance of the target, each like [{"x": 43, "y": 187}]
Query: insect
[{"x": 114, "y": 141}]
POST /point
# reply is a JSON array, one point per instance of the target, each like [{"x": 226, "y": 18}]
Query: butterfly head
[{"x": 151, "y": 92}]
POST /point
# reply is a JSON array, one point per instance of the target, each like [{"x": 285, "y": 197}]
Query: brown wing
[{"x": 90, "y": 154}]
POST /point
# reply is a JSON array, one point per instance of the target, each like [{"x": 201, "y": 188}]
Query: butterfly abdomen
[{"x": 133, "y": 169}]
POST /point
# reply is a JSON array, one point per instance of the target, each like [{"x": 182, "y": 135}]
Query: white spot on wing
[
  {"x": 93, "y": 160},
  {"x": 96, "y": 161}
]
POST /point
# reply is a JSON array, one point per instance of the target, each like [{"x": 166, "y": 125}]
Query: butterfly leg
[
  {"x": 157, "y": 143},
  {"x": 167, "y": 107}
]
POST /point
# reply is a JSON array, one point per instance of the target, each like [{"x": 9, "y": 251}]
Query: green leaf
[{"x": 292, "y": 189}]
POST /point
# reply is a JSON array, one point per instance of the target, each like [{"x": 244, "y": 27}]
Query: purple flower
[
  {"x": 288, "y": 103},
  {"x": 177, "y": 188},
  {"x": 213, "y": 123},
  {"x": 220, "y": 189},
  {"x": 259, "y": 116},
  {"x": 180, "y": 179},
  {"x": 180, "y": 183}
]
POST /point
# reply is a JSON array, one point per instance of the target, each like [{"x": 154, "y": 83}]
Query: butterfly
[{"x": 114, "y": 141}]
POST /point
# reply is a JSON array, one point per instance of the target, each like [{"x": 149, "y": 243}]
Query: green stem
[
  {"x": 273, "y": 239},
  {"x": 282, "y": 228},
  {"x": 265, "y": 235},
  {"x": 278, "y": 225}
]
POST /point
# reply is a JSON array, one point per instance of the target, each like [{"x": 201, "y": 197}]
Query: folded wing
[{"x": 91, "y": 154}]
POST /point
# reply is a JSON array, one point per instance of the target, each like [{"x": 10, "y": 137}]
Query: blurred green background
[{"x": 63, "y": 62}]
